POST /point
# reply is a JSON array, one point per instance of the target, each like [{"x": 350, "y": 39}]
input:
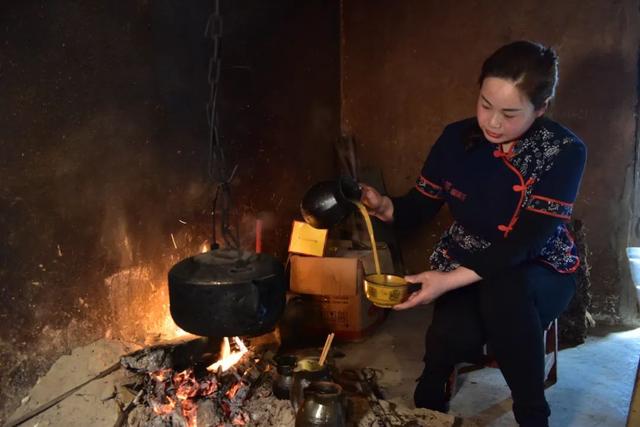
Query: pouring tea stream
[{"x": 326, "y": 204}]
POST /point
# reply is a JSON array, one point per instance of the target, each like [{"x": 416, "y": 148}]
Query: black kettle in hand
[{"x": 327, "y": 203}]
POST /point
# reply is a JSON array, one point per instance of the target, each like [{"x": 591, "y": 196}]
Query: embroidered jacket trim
[
  {"x": 428, "y": 188},
  {"x": 549, "y": 206}
]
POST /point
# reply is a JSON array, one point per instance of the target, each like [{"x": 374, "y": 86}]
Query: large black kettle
[
  {"x": 226, "y": 292},
  {"x": 327, "y": 203}
]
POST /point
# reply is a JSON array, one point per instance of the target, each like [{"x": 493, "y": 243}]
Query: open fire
[
  {"x": 229, "y": 358},
  {"x": 220, "y": 390}
]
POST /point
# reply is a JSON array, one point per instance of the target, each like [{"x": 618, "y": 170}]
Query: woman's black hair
[{"x": 531, "y": 66}]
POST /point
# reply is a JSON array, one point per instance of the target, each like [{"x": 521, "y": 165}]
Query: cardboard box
[{"x": 337, "y": 286}]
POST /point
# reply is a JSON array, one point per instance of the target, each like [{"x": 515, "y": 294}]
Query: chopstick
[{"x": 325, "y": 349}]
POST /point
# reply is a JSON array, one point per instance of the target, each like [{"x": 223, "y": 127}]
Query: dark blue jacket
[{"x": 507, "y": 207}]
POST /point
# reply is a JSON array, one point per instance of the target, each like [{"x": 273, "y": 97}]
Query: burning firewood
[
  {"x": 179, "y": 354},
  {"x": 200, "y": 394}
]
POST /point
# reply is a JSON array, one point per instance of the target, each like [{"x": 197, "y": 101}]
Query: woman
[{"x": 503, "y": 270}]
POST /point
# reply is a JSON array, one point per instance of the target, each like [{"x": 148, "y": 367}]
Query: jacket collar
[{"x": 521, "y": 144}]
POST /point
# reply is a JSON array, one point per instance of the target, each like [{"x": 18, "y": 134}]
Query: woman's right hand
[
  {"x": 378, "y": 205},
  {"x": 433, "y": 284}
]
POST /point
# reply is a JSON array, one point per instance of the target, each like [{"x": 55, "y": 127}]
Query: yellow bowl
[{"x": 386, "y": 290}]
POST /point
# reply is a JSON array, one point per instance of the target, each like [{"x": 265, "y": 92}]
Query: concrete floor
[{"x": 595, "y": 379}]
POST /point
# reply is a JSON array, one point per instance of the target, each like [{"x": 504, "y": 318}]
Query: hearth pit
[
  {"x": 180, "y": 384},
  {"x": 234, "y": 390}
]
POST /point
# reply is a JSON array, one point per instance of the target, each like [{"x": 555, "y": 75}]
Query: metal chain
[
  {"x": 213, "y": 31},
  {"x": 217, "y": 168}
]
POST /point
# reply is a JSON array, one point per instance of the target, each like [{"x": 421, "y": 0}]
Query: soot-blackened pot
[{"x": 226, "y": 292}]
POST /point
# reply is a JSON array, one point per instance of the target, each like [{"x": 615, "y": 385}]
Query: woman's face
[{"x": 504, "y": 112}]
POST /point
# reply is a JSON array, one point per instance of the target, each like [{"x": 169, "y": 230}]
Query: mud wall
[
  {"x": 410, "y": 67},
  {"x": 104, "y": 166}
]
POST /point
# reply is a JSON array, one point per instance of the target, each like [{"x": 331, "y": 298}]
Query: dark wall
[
  {"x": 104, "y": 161},
  {"x": 410, "y": 67},
  {"x": 280, "y": 108}
]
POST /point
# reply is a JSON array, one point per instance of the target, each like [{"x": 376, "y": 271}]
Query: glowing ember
[
  {"x": 229, "y": 358},
  {"x": 164, "y": 408},
  {"x": 207, "y": 388},
  {"x": 240, "y": 420},
  {"x": 231, "y": 393},
  {"x": 185, "y": 384},
  {"x": 171, "y": 393},
  {"x": 185, "y": 388},
  {"x": 162, "y": 374},
  {"x": 190, "y": 412}
]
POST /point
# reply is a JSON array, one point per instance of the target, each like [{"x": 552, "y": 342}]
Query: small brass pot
[
  {"x": 306, "y": 371},
  {"x": 386, "y": 290}
]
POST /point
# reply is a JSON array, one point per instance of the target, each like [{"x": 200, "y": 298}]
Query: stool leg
[
  {"x": 551, "y": 344},
  {"x": 451, "y": 387}
]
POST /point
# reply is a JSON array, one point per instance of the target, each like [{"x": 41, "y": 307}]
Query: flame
[
  {"x": 179, "y": 332},
  {"x": 229, "y": 358},
  {"x": 169, "y": 328},
  {"x": 204, "y": 247}
]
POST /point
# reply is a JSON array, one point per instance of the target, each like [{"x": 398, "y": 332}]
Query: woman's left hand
[{"x": 434, "y": 284}]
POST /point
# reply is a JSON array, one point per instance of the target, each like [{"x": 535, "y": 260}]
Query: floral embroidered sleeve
[
  {"x": 547, "y": 208},
  {"x": 555, "y": 191}
]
